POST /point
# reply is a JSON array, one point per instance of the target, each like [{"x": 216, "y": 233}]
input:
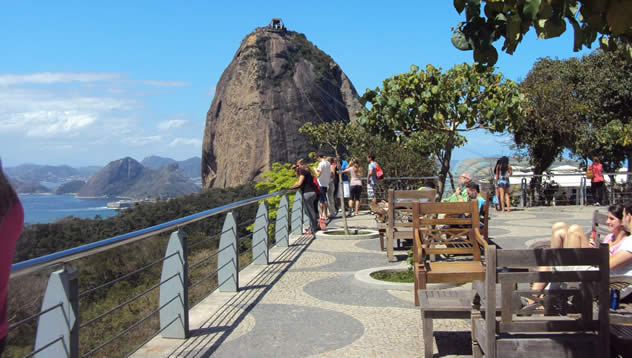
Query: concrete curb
[
  {"x": 364, "y": 276},
  {"x": 372, "y": 234}
]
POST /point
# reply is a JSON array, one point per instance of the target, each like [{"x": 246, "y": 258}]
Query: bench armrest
[{"x": 479, "y": 238}]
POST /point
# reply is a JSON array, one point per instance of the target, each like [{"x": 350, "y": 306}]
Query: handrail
[
  {"x": 566, "y": 174},
  {"x": 35, "y": 264}
]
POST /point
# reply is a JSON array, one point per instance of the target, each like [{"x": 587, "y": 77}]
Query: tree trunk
[
  {"x": 629, "y": 180},
  {"x": 445, "y": 163}
]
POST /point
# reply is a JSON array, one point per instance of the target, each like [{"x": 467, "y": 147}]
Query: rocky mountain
[
  {"x": 70, "y": 187},
  {"x": 156, "y": 162},
  {"x": 128, "y": 178},
  {"x": 276, "y": 82}
]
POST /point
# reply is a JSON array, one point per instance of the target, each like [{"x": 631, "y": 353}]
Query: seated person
[
  {"x": 460, "y": 194},
  {"x": 473, "y": 193},
  {"x": 620, "y": 241}
]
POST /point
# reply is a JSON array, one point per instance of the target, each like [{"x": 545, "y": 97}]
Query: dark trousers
[{"x": 598, "y": 192}]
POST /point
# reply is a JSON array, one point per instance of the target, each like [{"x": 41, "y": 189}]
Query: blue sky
[{"x": 84, "y": 83}]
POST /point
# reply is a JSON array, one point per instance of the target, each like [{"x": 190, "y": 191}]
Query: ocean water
[{"x": 41, "y": 209}]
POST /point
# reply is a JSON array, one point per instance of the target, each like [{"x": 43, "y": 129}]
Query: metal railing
[
  {"x": 573, "y": 195},
  {"x": 59, "y": 328}
]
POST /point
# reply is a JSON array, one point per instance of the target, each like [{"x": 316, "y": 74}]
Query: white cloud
[
  {"x": 47, "y": 78},
  {"x": 186, "y": 141},
  {"x": 171, "y": 124},
  {"x": 142, "y": 140}
]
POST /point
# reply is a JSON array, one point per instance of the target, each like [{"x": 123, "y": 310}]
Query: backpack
[
  {"x": 316, "y": 186},
  {"x": 378, "y": 172}
]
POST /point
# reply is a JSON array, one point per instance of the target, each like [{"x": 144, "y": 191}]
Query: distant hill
[
  {"x": 128, "y": 178},
  {"x": 36, "y": 173},
  {"x": 156, "y": 162},
  {"x": 23, "y": 187},
  {"x": 191, "y": 167},
  {"x": 70, "y": 187}
]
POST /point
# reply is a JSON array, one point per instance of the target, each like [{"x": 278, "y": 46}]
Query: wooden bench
[
  {"x": 561, "y": 323},
  {"x": 456, "y": 233},
  {"x": 399, "y": 215}
]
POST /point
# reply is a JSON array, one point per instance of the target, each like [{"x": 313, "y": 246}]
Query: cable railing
[{"x": 61, "y": 323}]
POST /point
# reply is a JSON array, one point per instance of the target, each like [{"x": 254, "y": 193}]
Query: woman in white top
[
  {"x": 355, "y": 184},
  {"x": 620, "y": 241}
]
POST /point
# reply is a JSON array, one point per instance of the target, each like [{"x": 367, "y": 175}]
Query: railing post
[
  {"x": 297, "y": 213},
  {"x": 174, "y": 297},
  {"x": 227, "y": 264},
  {"x": 582, "y": 189},
  {"x": 523, "y": 192},
  {"x": 260, "y": 236},
  {"x": 281, "y": 228},
  {"x": 61, "y": 322}
]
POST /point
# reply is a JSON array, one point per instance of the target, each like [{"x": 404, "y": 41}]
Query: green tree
[
  {"x": 512, "y": 19},
  {"x": 554, "y": 115},
  {"x": 337, "y": 135},
  {"x": 606, "y": 85},
  {"x": 430, "y": 109}
]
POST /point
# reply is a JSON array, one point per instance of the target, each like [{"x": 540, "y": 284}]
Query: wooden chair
[
  {"x": 399, "y": 215},
  {"x": 450, "y": 235},
  {"x": 485, "y": 216},
  {"x": 557, "y": 328},
  {"x": 599, "y": 225}
]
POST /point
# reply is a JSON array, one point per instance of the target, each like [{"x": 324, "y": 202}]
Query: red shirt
[
  {"x": 10, "y": 230},
  {"x": 597, "y": 172}
]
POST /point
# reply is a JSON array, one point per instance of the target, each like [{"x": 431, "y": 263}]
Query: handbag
[{"x": 589, "y": 172}]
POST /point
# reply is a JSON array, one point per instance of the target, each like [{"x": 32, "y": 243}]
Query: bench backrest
[
  {"x": 485, "y": 216},
  {"x": 599, "y": 225},
  {"x": 576, "y": 264},
  {"x": 447, "y": 228},
  {"x": 400, "y": 206}
]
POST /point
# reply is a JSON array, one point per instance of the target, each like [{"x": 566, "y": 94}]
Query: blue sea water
[{"x": 42, "y": 208}]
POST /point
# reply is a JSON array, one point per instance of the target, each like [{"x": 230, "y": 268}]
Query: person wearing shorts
[
  {"x": 355, "y": 172},
  {"x": 371, "y": 179}
]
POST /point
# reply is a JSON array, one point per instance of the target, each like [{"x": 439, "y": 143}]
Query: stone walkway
[{"x": 309, "y": 303}]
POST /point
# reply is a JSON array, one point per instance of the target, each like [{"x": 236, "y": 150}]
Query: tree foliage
[
  {"x": 606, "y": 85},
  {"x": 430, "y": 109},
  {"x": 554, "y": 114},
  {"x": 512, "y": 19}
]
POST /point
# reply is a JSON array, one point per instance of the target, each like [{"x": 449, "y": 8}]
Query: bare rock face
[{"x": 276, "y": 82}]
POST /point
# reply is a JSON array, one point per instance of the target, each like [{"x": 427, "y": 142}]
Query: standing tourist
[
  {"x": 371, "y": 179},
  {"x": 460, "y": 194},
  {"x": 323, "y": 173},
  {"x": 503, "y": 171},
  {"x": 596, "y": 182},
  {"x": 355, "y": 172},
  {"x": 11, "y": 224},
  {"x": 305, "y": 182},
  {"x": 345, "y": 184}
]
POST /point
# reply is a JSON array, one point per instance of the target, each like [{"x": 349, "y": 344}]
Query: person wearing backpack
[{"x": 372, "y": 178}]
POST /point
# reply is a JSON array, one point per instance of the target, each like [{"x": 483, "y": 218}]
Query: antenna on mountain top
[{"x": 276, "y": 25}]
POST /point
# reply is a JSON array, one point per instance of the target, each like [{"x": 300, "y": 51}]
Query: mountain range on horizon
[{"x": 153, "y": 177}]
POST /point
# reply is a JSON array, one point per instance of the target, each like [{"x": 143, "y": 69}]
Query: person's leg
[
  {"x": 331, "y": 199},
  {"x": 310, "y": 198},
  {"x": 558, "y": 235},
  {"x": 576, "y": 238},
  {"x": 501, "y": 198}
]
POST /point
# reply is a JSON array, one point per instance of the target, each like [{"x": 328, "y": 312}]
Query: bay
[{"x": 46, "y": 208}]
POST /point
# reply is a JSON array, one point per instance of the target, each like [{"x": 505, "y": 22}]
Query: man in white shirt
[{"x": 323, "y": 172}]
